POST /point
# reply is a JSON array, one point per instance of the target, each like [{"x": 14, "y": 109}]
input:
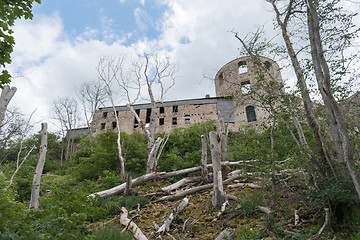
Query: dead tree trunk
[
  {"x": 124, "y": 220},
  {"x": 223, "y": 133},
  {"x": 215, "y": 146},
  {"x": 35, "y": 191},
  {"x": 174, "y": 213},
  {"x": 6, "y": 95},
  {"x": 204, "y": 170}
]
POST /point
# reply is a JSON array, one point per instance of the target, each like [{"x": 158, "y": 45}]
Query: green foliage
[
  {"x": 134, "y": 149},
  {"x": 10, "y": 209},
  {"x": 100, "y": 153},
  {"x": 333, "y": 192},
  {"x": 183, "y": 148},
  {"x": 247, "y": 234},
  {"x": 23, "y": 180},
  {"x": 114, "y": 203},
  {"x": 68, "y": 201},
  {"x": 111, "y": 232},
  {"x": 10, "y": 11},
  {"x": 249, "y": 204}
]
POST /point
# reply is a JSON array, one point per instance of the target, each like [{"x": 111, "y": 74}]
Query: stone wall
[{"x": 232, "y": 82}]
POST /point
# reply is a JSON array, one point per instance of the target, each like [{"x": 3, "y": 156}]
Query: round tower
[{"x": 240, "y": 74}]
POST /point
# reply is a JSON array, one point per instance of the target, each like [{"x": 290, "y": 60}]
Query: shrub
[
  {"x": 111, "y": 232},
  {"x": 249, "y": 204},
  {"x": 113, "y": 203}
]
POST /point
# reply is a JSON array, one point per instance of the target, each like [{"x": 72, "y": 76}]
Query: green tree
[{"x": 11, "y": 10}]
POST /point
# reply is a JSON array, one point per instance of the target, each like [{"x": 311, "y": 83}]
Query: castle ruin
[{"x": 232, "y": 82}]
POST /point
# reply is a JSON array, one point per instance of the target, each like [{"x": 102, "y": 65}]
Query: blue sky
[
  {"x": 140, "y": 19},
  {"x": 60, "y": 48}
]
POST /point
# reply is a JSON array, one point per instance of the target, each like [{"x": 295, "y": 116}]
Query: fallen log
[
  {"x": 194, "y": 190},
  {"x": 249, "y": 185},
  {"x": 265, "y": 210},
  {"x": 158, "y": 175},
  {"x": 226, "y": 234},
  {"x": 129, "y": 224},
  {"x": 181, "y": 183},
  {"x": 120, "y": 188},
  {"x": 223, "y": 208},
  {"x": 175, "y": 212}
]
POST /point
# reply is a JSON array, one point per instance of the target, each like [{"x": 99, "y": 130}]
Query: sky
[{"x": 60, "y": 48}]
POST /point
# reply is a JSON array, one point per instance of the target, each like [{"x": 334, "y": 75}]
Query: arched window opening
[
  {"x": 250, "y": 113},
  {"x": 267, "y": 65},
  {"x": 221, "y": 79},
  {"x": 245, "y": 87},
  {"x": 242, "y": 67}
]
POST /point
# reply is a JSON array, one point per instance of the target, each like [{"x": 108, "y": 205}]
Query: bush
[
  {"x": 249, "y": 204},
  {"x": 111, "y": 232},
  {"x": 113, "y": 203}
]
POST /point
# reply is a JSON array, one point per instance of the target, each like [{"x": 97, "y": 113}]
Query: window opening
[
  {"x": 136, "y": 122},
  {"x": 105, "y": 114},
  {"x": 175, "y": 108},
  {"x": 221, "y": 79},
  {"x": 102, "y": 126},
  {"x": 242, "y": 67},
  {"x": 250, "y": 113},
  {"x": 113, "y": 125},
  {"x": 187, "y": 120},
  {"x": 162, "y": 109},
  {"x": 267, "y": 65},
  {"x": 161, "y": 121},
  {"x": 245, "y": 87},
  {"x": 148, "y": 113},
  {"x": 174, "y": 121}
]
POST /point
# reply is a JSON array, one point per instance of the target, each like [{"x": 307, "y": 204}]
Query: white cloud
[
  {"x": 143, "y": 19},
  {"x": 51, "y": 65},
  {"x": 194, "y": 33},
  {"x": 205, "y": 26}
]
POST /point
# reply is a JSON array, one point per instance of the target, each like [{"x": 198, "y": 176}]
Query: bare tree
[
  {"x": 91, "y": 95},
  {"x": 323, "y": 77},
  {"x": 156, "y": 71},
  {"x": 65, "y": 111},
  {"x": 25, "y": 130},
  {"x": 151, "y": 71},
  {"x": 337, "y": 40},
  {"x": 108, "y": 71}
]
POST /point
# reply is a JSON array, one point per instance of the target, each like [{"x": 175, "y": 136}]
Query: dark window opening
[
  {"x": 242, "y": 67},
  {"x": 113, "y": 125},
  {"x": 187, "y": 115},
  {"x": 148, "y": 113},
  {"x": 104, "y": 114},
  {"x": 245, "y": 87},
  {"x": 267, "y": 65},
  {"x": 102, "y": 126},
  {"x": 136, "y": 122},
  {"x": 161, "y": 121},
  {"x": 221, "y": 79},
  {"x": 174, "y": 121},
  {"x": 175, "y": 109},
  {"x": 250, "y": 113},
  {"x": 187, "y": 120},
  {"x": 162, "y": 109}
]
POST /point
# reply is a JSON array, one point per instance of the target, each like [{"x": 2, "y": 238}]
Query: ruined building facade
[{"x": 232, "y": 82}]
